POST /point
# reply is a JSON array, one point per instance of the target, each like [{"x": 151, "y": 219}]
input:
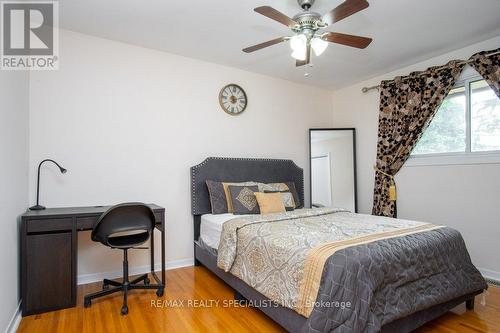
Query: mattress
[{"x": 211, "y": 228}]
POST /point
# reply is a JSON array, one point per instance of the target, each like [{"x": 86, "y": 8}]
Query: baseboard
[
  {"x": 95, "y": 277},
  {"x": 14, "y": 321},
  {"x": 492, "y": 277}
]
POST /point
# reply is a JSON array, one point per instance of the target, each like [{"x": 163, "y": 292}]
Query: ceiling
[{"x": 403, "y": 31}]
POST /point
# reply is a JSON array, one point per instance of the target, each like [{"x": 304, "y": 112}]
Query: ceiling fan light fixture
[
  {"x": 318, "y": 45},
  {"x": 306, "y": 27},
  {"x": 298, "y": 43},
  {"x": 299, "y": 54}
]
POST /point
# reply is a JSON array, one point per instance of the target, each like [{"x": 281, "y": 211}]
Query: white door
[{"x": 321, "y": 187}]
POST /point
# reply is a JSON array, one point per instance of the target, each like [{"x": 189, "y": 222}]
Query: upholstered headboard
[{"x": 239, "y": 170}]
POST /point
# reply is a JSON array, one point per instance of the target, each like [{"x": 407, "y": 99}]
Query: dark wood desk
[{"x": 49, "y": 254}]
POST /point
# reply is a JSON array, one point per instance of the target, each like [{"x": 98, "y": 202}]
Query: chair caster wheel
[
  {"x": 87, "y": 302},
  {"x": 105, "y": 286},
  {"x": 147, "y": 281},
  {"x": 124, "y": 310},
  {"x": 159, "y": 292}
]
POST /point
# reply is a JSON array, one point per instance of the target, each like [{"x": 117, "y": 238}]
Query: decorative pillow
[
  {"x": 218, "y": 200},
  {"x": 282, "y": 187},
  {"x": 229, "y": 202},
  {"x": 287, "y": 198},
  {"x": 276, "y": 187},
  {"x": 295, "y": 194},
  {"x": 243, "y": 200},
  {"x": 270, "y": 202}
]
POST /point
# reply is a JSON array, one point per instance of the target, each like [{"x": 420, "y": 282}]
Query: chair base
[
  {"x": 121, "y": 287},
  {"x": 124, "y": 287}
]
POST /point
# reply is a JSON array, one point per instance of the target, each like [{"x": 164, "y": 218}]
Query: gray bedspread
[{"x": 389, "y": 279}]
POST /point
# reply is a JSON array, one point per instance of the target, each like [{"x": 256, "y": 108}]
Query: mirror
[{"x": 332, "y": 156}]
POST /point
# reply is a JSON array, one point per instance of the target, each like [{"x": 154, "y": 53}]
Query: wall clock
[{"x": 233, "y": 99}]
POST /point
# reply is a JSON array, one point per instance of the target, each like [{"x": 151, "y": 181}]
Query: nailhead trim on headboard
[{"x": 298, "y": 176}]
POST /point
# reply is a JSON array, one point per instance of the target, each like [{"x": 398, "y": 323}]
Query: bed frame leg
[
  {"x": 469, "y": 304},
  {"x": 240, "y": 298},
  {"x": 197, "y": 262}
]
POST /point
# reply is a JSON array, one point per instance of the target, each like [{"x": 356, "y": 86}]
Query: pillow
[
  {"x": 243, "y": 200},
  {"x": 270, "y": 202},
  {"x": 293, "y": 190},
  {"x": 276, "y": 187},
  {"x": 272, "y": 187},
  {"x": 229, "y": 202},
  {"x": 287, "y": 198},
  {"x": 282, "y": 187},
  {"x": 218, "y": 200}
]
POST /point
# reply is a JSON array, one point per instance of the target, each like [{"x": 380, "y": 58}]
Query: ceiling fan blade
[
  {"x": 349, "y": 40},
  {"x": 344, "y": 10},
  {"x": 299, "y": 63},
  {"x": 273, "y": 14},
  {"x": 263, "y": 45}
]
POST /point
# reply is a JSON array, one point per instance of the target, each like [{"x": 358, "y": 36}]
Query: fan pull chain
[{"x": 306, "y": 69}]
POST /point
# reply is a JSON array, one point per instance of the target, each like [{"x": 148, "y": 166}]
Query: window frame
[{"x": 468, "y": 156}]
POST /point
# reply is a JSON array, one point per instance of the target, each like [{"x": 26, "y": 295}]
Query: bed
[{"x": 404, "y": 297}]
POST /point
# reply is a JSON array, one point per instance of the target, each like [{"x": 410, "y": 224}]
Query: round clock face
[{"x": 232, "y": 99}]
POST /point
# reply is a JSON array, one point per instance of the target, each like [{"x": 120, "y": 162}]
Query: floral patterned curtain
[
  {"x": 488, "y": 67},
  {"x": 407, "y": 106}
]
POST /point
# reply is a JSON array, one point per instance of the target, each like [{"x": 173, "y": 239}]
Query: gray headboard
[{"x": 239, "y": 170}]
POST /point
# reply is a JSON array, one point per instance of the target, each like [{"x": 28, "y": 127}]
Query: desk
[{"x": 49, "y": 254}]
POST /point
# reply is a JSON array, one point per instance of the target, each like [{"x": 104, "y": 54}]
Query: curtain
[
  {"x": 488, "y": 67},
  {"x": 407, "y": 106}
]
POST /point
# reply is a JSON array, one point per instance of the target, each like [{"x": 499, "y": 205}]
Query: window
[
  {"x": 446, "y": 132},
  {"x": 466, "y": 124},
  {"x": 485, "y": 117}
]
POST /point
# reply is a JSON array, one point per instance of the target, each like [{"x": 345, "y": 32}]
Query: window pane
[
  {"x": 446, "y": 132},
  {"x": 485, "y": 117}
]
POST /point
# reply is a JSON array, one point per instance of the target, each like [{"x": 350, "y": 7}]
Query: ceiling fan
[{"x": 306, "y": 26}]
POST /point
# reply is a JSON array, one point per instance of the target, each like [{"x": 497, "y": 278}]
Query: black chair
[{"x": 124, "y": 226}]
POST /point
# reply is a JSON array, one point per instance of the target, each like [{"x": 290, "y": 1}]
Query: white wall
[
  {"x": 465, "y": 197},
  {"x": 128, "y": 122},
  {"x": 14, "y": 88}
]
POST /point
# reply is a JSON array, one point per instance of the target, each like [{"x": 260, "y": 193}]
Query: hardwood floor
[{"x": 146, "y": 313}]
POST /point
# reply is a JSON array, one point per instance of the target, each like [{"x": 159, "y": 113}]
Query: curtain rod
[{"x": 367, "y": 89}]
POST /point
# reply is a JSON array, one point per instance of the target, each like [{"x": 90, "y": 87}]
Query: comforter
[{"x": 348, "y": 272}]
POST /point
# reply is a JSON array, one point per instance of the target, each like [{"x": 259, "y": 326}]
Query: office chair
[{"x": 124, "y": 227}]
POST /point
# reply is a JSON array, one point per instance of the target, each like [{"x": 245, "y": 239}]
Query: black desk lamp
[{"x": 37, "y": 206}]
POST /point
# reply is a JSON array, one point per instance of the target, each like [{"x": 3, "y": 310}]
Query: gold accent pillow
[
  {"x": 270, "y": 202},
  {"x": 288, "y": 200},
  {"x": 282, "y": 187}
]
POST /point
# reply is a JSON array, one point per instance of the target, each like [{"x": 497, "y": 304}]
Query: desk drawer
[
  {"x": 86, "y": 223},
  {"x": 62, "y": 224}
]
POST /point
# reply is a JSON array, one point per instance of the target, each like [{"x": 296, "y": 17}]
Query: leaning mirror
[{"x": 332, "y": 153}]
